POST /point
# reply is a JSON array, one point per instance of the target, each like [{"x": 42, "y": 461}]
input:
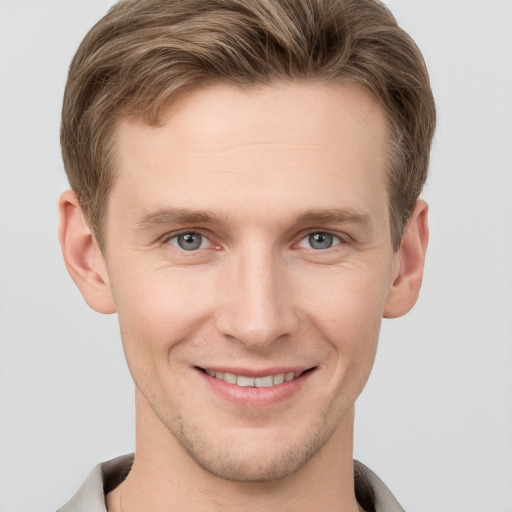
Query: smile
[{"x": 266, "y": 381}]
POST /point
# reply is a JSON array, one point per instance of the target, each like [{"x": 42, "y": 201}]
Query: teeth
[
  {"x": 289, "y": 376},
  {"x": 264, "y": 382},
  {"x": 228, "y": 377},
  {"x": 259, "y": 382},
  {"x": 279, "y": 378},
  {"x": 245, "y": 382}
]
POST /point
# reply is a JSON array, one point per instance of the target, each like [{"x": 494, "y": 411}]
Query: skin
[{"x": 254, "y": 174}]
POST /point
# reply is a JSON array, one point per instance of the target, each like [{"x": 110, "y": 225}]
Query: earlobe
[
  {"x": 83, "y": 258},
  {"x": 410, "y": 261}
]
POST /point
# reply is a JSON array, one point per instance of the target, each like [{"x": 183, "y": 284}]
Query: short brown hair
[{"x": 144, "y": 52}]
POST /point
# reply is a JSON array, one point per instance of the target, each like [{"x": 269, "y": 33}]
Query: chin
[
  {"x": 249, "y": 456},
  {"x": 241, "y": 464}
]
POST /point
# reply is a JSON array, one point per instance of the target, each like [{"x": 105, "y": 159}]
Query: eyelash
[
  {"x": 335, "y": 239},
  {"x": 175, "y": 236}
]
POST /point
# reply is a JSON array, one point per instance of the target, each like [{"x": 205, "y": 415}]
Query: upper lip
[{"x": 260, "y": 372}]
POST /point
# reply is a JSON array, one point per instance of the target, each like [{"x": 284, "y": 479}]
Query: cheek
[
  {"x": 347, "y": 311},
  {"x": 159, "y": 309},
  {"x": 348, "y": 301}
]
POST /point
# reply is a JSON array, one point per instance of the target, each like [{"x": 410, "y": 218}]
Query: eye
[
  {"x": 319, "y": 241},
  {"x": 189, "y": 241}
]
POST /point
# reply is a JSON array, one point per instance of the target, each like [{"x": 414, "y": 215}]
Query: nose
[{"x": 256, "y": 306}]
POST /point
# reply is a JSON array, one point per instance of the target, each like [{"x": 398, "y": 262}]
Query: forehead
[
  {"x": 284, "y": 112},
  {"x": 262, "y": 142}
]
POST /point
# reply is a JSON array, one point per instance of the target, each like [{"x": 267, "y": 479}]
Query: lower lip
[{"x": 253, "y": 397}]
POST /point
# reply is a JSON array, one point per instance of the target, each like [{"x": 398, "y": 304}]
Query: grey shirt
[{"x": 371, "y": 492}]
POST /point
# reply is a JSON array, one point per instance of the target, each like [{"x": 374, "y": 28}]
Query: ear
[
  {"x": 409, "y": 263},
  {"x": 83, "y": 258}
]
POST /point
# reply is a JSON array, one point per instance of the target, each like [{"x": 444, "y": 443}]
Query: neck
[{"x": 165, "y": 478}]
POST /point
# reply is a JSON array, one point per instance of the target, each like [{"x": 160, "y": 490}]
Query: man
[{"x": 245, "y": 179}]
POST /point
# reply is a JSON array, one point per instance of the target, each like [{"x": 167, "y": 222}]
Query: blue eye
[
  {"x": 189, "y": 241},
  {"x": 319, "y": 241}
]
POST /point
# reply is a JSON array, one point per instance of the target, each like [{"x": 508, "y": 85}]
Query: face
[{"x": 249, "y": 258}]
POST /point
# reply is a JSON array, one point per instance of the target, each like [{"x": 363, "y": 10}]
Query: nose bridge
[{"x": 258, "y": 307}]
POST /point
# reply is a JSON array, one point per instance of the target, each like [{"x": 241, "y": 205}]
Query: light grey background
[{"x": 435, "y": 421}]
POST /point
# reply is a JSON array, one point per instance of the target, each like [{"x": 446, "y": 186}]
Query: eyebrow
[
  {"x": 175, "y": 216},
  {"x": 183, "y": 216},
  {"x": 332, "y": 216}
]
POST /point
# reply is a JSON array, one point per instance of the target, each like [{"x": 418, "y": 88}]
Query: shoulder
[
  {"x": 102, "y": 479},
  {"x": 371, "y": 492}
]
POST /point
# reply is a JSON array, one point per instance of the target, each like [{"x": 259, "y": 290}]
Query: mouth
[
  {"x": 252, "y": 389},
  {"x": 263, "y": 381}
]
